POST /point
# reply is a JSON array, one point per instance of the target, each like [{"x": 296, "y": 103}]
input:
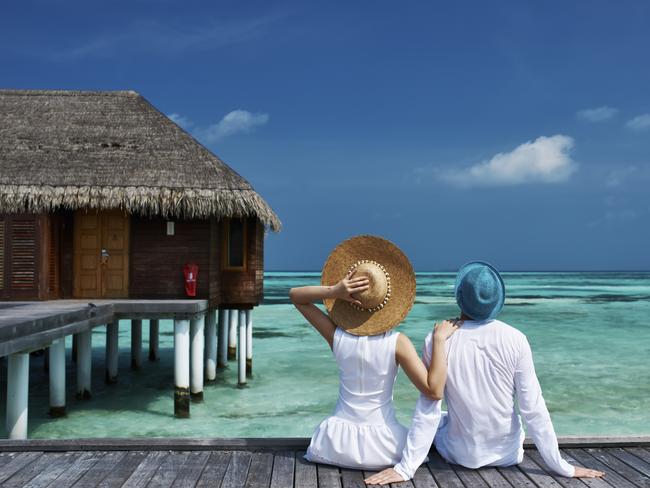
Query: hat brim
[
  {"x": 464, "y": 270},
  {"x": 398, "y": 266}
]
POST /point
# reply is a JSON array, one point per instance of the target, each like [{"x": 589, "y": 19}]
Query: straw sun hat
[{"x": 392, "y": 285}]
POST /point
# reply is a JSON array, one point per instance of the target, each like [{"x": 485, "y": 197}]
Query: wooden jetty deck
[
  {"x": 204, "y": 339},
  {"x": 276, "y": 463}
]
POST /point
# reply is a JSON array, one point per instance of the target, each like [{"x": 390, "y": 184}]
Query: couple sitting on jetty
[{"x": 480, "y": 364}]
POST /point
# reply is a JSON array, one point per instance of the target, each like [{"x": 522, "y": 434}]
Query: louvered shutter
[{"x": 23, "y": 254}]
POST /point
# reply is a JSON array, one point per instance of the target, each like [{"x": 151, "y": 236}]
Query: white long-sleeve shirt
[{"x": 489, "y": 364}]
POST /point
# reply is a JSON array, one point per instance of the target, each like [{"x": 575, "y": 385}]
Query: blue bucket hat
[{"x": 480, "y": 291}]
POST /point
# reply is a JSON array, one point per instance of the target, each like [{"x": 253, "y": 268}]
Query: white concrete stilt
[
  {"x": 84, "y": 363},
  {"x": 57, "y": 377},
  {"x": 112, "y": 351},
  {"x": 197, "y": 344},
  {"x": 154, "y": 337},
  {"x": 17, "y": 395},
  {"x": 222, "y": 354},
  {"x": 182, "y": 368},
  {"x": 241, "y": 350},
  {"x": 136, "y": 344},
  {"x": 211, "y": 345},
  {"x": 232, "y": 335},
  {"x": 249, "y": 342}
]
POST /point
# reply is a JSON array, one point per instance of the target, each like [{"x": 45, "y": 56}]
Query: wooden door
[{"x": 101, "y": 254}]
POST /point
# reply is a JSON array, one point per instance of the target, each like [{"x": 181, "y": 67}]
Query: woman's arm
[
  {"x": 303, "y": 299},
  {"x": 430, "y": 382}
]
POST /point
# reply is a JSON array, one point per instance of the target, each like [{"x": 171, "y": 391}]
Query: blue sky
[{"x": 511, "y": 131}]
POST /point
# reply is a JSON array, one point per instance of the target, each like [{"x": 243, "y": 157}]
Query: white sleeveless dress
[{"x": 363, "y": 432}]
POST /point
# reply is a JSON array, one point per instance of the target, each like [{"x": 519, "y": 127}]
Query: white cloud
[
  {"x": 617, "y": 177},
  {"x": 544, "y": 160},
  {"x": 235, "y": 122},
  {"x": 640, "y": 122},
  {"x": 181, "y": 120},
  {"x": 598, "y": 114}
]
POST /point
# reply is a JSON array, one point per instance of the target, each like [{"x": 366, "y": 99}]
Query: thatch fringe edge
[{"x": 149, "y": 201}]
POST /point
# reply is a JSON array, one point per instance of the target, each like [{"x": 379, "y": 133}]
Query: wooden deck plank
[
  {"x": 516, "y": 477},
  {"x": 100, "y": 470},
  {"x": 165, "y": 475},
  {"x": 588, "y": 461},
  {"x": 145, "y": 470},
  {"x": 190, "y": 471},
  {"x": 423, "y": 478},
  {"x": 260, "y": 470},
  {"x": 630, "y": 458},
  {"x": 81, "y": 465},
  {"x": 592, "y": 482},
  {"x": 536, "y": 473},
  {"x": 47, "y": 476},
  {"x": 640, "y": 453},
  {"x": 237, "y": 470},
  {"x": 215, "y": 469},
  {"x": 493, "y": 478},
  {"x": 123, "y": 470},
  {"x": 470, "y": 477},
  {"x": 625, "y": 468},
  {"x": 305, "y": 475},
  {"x": 18, "y": 462},
  {"x": 442, "y": 472},
  {"x": 284, "y": 464},
  {"x": 31, "y": 470},
  {"x": 561, "y": 480},
  {"x": 620, "y": 467},
  {"x": 328, "y": 476},
  {"x": 352, "y": 478}
]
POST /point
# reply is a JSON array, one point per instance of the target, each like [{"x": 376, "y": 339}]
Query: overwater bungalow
[{"x": 103, "y": 197}]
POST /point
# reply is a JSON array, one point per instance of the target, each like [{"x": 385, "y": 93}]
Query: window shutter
[{"x": 23, "y": 254}]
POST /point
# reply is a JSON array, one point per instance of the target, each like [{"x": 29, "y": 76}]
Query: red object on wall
[{"x": 191, "y": 272}]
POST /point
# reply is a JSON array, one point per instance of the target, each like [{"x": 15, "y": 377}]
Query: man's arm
[
  {"x": 423, "y": 426},
  {"x": 535, "y": 414}
]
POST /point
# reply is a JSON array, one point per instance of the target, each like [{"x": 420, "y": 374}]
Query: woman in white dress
[{"x": 368, "y": 289}]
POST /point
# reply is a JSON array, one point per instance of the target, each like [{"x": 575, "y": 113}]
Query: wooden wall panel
[{"x": 157, "y": 259}]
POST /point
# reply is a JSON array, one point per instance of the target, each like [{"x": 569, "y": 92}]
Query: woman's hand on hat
[
  {"x": 350, "y": 285},
  {"x": 446, "y": 328}
]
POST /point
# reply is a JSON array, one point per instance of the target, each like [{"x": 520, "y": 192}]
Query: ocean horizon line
[{"x": 501, "y": 270}]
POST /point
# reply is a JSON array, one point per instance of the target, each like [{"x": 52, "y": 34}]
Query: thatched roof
[{"x": 69, "y": 149}]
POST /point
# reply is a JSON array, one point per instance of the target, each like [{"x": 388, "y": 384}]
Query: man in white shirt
[{"x": 489, "y": 364}]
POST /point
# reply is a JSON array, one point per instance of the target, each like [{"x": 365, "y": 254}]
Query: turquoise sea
[{"x": 590, "y": 334}]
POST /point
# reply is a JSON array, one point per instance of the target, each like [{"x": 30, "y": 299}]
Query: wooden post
[
  {"x": 181, "y": 368},
  {"x": 232, "y": 335},
  {"x": 241, "y": 350},
  {"x": 84, "y": 363},
  {"x": 112, "y": 351},
  {"x": 197, "y": 338},
  {"x": 57, "y": 377},
  {"x": 211, "y": 345},
  {"x": 17, "y": 395},
  {"x": 222, "y": 355},
  {"x": 154, "y": 334},
  {"x": 136, "y": 344},
  {"x": 249, "y": 342}
]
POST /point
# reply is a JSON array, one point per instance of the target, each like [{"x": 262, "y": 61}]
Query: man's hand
[
  {"x": 384, "y": 477},
  {"x": 581, "y": 472}
]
